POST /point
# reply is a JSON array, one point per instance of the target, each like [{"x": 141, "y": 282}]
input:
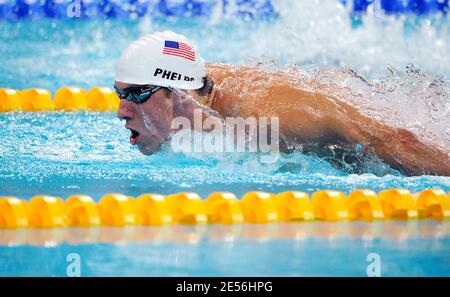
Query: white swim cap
[{"x": 162, "y": 59}]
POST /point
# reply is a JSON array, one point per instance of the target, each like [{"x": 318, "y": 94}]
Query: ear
[{"x": 208, "y": 85}]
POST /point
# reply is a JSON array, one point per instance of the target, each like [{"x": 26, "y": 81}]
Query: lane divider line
[
  {"x": 64, "y": 99},
  {"x": 187, "y": 208}
]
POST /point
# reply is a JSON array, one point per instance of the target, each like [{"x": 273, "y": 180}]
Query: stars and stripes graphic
[{"x": 179, "y": 49}]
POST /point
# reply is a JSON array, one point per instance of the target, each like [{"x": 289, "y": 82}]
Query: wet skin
[
  {"x": 312, "y": 112},
  {"x": 149, "y": 122},
  {"x": 306, "y": 113}
]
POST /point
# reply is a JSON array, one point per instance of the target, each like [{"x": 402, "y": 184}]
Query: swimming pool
[{"x": 63, "y": 154}]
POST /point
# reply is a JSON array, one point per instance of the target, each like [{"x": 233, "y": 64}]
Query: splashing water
[
  {"x": 413, "y": 100},
  {"x": 409, "y": 99}
]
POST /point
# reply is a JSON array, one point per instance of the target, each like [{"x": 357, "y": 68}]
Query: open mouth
[{"x": 134, "y": 136}]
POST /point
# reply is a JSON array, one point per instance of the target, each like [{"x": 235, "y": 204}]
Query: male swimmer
[{"x": 152, "y": 71}]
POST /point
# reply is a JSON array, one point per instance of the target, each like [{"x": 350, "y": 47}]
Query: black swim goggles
[{"x": 139, "y": 94}]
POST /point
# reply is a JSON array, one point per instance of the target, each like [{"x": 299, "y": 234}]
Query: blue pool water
[
  {"x": 70, "y": 153},
  {"x": 320, "y": 249}
]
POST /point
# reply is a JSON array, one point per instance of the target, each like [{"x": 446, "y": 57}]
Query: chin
[{"x": 149, "y": 149}]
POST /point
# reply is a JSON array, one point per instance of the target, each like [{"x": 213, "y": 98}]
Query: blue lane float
[
  {"x": 105, "y": 9},
  {"x": 419, "y": 7}
]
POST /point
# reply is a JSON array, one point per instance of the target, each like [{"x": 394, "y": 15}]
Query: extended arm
[
  {"x": 400, "y": 148},
  {"x": 308, "y": 115}
]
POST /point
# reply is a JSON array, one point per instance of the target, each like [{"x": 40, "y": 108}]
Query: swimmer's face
[{"x": 148, "y": 122}]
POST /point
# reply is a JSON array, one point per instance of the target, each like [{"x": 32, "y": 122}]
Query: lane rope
[
  {"x": 64, "y": 99},
  {"x": 43, "y": 211}
]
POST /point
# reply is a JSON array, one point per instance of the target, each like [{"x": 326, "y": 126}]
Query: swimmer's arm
[
  {"x": 399, "y": 147},
  {"x": 328, "y": 117},
  {"x": 311, "y": 116}
]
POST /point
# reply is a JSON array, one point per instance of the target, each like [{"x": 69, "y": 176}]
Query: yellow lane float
[
  {"x": 116, "y": 210},
  {"x": 224, "y": 208},
  {"x": 9, "y": 100},
  {"x": 65, "y": 99},
  {"x": 433, "y": 204},
  {"x": 70, "y": 99},
  {"x": 35, "y": 100},
  {"x": 259, "y": 207},
  {"x": 329, "y": 205},
  {"x": 102, "y": 99},
  {"x": 44, "y": 211},
  {"x": 187, "y": 208},
  {"x": 398, "y": 204},
  {"x": 152, "y": 209},
  {"x": 82, "y": 211},
  {"x": 293, "y": 206},
  {"x": 364, "y": 205},
  {"x": 13, "y": 213}
]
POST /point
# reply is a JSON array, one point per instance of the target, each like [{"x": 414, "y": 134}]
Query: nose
[{"x": 125, "y": 111}]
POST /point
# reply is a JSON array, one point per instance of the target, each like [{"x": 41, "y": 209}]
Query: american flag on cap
[{"x": 179, "y": 49}]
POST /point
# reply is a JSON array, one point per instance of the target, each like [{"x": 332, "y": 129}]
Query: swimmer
[{"x": 152, "y": 71}]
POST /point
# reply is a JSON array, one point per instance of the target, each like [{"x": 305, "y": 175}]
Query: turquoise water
[
  {"x": 71, "y": 153},
  {"x": 314, "y": 249}
]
